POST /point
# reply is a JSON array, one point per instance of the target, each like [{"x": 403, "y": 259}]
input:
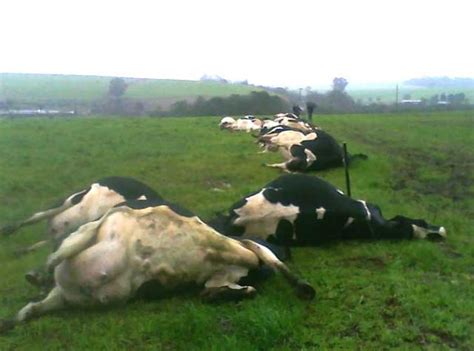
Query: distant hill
[
  {"x": 441, "y": 82},
  {"x": 30, "y": 89}
]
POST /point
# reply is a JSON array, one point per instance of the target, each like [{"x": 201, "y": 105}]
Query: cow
[
  {"x": 245, "y": 124},
  {"x": 305, "y": 152},
  {"x": 281, "y": 138},
  {"x": 287, "y": 114},
  {"x": 268, "y": 124},
  {"x": 107, "y": 261},
  {"x": 298, "y": 209},
  {"x": 82, "y": 207},
  {"x": 295, "y": 122}
]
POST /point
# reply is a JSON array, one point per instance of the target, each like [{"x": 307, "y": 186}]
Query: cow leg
[
  {"x": 54, "y": 301},
  {"x": 41, "y": 279},
  {"x": 277, "y": 165},
  {"x": 223, "y": 285},
  {"x": 38, "y": 216},
  {"x": 228, "y": 292},
  {"x": 74, "y": 243},
  {"x": 303, "y": 289},
  {"x": 32, "y": 248}
]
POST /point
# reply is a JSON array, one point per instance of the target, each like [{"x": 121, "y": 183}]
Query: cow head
[
  {"x": 419, "y": 228},
  {"x": 227, "y": 123}
]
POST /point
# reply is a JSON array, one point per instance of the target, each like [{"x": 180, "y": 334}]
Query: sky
[{"x": 290, "y": 43}]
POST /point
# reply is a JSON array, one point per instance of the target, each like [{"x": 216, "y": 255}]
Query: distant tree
[
  {"x": 139, "y": 108},
  {"x": 406, "y": 96},
  {"x": 339, "y": 101},
  {"x": 442, "y": 97},
  {"x": 434, "y": 99},
  {"x": 339, "y": 84},
  {"x": 459, "y": 98},
  {"x": 117, "y": 87}
]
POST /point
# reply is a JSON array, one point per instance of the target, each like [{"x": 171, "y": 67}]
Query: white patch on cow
[
  {"x": 268, "y": 123},
  {"x": 260, "y": 217},
  {"x": 369, "y": 216},
  {"x": 320, "y": 212},
  {"x": 142, "y": 197},
  {"x": 422, "y": 233},
  {"x": 311, "y": 136},
  {"x": 348, "y": 222},
  {"x": 98, "y": 200},
  {"x": 310, "y": 157}
]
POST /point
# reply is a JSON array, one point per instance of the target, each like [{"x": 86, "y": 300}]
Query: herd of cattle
[
  {"x": 304, "y": 147},
  {"x": 118, "y": 235}
]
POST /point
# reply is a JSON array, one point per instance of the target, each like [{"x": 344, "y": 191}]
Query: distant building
[{"x": 410, "y": 102}]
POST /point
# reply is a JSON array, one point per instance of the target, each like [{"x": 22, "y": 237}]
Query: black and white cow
[
  {"x": 305, "y": 152},
  {"x": 298, "y": 209},
  {"x": 292, "y": 121},
  {"x": 246, "y": 124},
  {"x": 107, "y": 261}
]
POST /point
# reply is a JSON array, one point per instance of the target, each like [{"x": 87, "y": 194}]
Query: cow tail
[{"x": 358, "y": 157}]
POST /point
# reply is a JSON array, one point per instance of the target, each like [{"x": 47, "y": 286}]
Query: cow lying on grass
[
  {"x": 247, "y": 124},
  {"x": 87, "y": 205},
  {"x": 298, "y": 209},
  {"x": 83, "y": 207},
  {"x": 294, "y": 122},
  {"x": 108, "y": 260},
  {"x": 314, "y": 151}
]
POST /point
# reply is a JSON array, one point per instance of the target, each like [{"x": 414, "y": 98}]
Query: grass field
[
  {"x": 405, "y": 295},
  {"x": 38, "y": 88}
]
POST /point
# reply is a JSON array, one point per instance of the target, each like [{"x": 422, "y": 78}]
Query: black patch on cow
[
  {"x": 78, "y": 197},
  {"x": 129, "y": 188},
  {"x": 271, "y": 194},
  {"x": 276, "y": 130},
  {"x": 309, "y": 193},
  {"x": 284, "y": 232},
  {"x": 298, "y": 162},
  {"x": 153, "y": 289},
  {"x": 328, "y": 152}
]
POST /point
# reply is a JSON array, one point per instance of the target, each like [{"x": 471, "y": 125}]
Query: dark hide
[{"x": 339, "y": 217}]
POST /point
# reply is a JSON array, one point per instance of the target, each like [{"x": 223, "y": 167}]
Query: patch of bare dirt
[
  {"x": 444, "y": 337},
  {"x": 455, "y": 186},
  {"x": 458, "y": 165}
]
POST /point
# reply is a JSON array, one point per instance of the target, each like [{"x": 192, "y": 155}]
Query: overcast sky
[{"x": 285, "y": 43}]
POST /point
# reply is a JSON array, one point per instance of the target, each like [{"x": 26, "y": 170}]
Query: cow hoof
[
  {"x": 8, "y": 229},
  {"x": 305, "y": 291},
  {"x": 34, "y": 278},
  {"x": 20, "y": 252},
  {"x": 6, "y": 325}
]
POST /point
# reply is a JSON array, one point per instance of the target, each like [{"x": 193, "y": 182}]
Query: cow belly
[
  {"x": 311, "y": 230},
  {"x": 86, "y": 274}
]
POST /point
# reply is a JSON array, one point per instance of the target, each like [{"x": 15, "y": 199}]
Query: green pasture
[
  {"x": 38, "y": 88},
  {"x": 404, "y": 295}
]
